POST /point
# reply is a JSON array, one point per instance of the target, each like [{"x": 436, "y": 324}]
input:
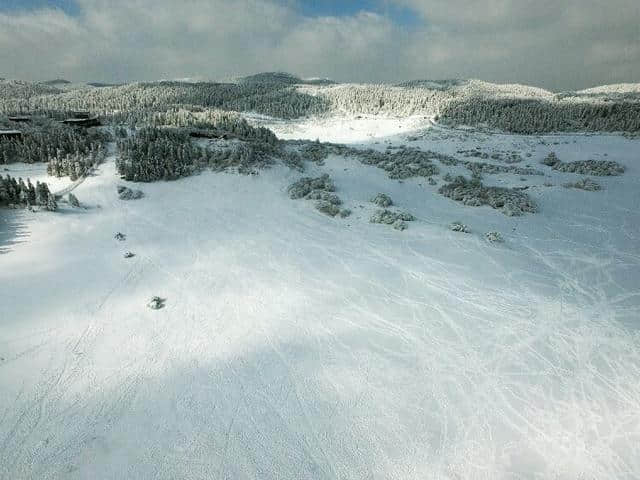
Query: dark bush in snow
[
  {"x": 399, "y": 225},
  {"x": 327, "y": 208},
  {"x": 551, "y": 159},
  {"x": 459, "y": 227},
  {"x": 331, "y": 198},
  {"x": 73, "y": 200},
  {"x": 494, "y": 237},
  {"x": 405, "y": 163},
  {"x": 320, "y": 189},
  {"x": 126, "y": 193},
  {"x": 156, "y": 303},
  {"x": 121, "y": 237},
  {"x": 396, "y": 219},
  {"x": 584, "y": 184},
  {"x": 382, "y": 200},
  {"x": 307, "y": 185},
  {"x": 502, "y": 156},
  {"x": 473, "y": 193},
  {"x": 600, "y": 168},
  {"x": 478, "y": 168}
]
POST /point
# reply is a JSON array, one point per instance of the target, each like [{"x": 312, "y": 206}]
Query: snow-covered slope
[{"x": 294, "y": 345}]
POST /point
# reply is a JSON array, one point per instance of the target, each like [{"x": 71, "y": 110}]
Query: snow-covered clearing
[{"x": 294, "y": 345}]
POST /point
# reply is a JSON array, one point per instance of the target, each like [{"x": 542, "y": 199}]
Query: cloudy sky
[{"x": 557, "y": 44}]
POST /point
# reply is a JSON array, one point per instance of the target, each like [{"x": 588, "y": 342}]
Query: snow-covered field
[{"x": 294, "y": 345}]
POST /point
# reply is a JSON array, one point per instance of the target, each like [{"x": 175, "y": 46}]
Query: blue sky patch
[
  {"x": 68, "y": 6},
  {"x": 342, "y": 8}
]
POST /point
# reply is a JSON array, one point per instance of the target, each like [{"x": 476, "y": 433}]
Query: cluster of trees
[
  {"x": 158, "y": 154},
  {"x": 75, "y": 165},
  {"x": 213, "y": 122},
  {"x": 275, "y": 99},
  {"x": 45, "y": 139},
  {"x": 20, "y": 90},
  {"x": 530, "y": 116},
  {"x": 17, "y": 192},
  {"x": 168, "y": 153},
  {"x": 383, "y": 99}
]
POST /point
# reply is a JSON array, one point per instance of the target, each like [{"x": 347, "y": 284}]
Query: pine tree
[{"x": 52, "y": 205}]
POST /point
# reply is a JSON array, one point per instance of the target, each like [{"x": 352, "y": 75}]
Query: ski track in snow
[{"x": 293, "y": 345}]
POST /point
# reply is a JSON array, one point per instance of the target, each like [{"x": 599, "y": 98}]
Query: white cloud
[{"x": 560, "y": 45}]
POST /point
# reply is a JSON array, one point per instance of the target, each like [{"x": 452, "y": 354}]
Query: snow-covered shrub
[
  {"x": 600, "y": 168},
  {"x": 405, "y": 163},
  {"x": 327, "y": 207},
  {"x": 459, "y": 227},
  {"x": 396, "y": 219},
  {"x": 324, "y": 196},
  {"x": 400, "y": 225},
  {"x": 121, "y": 237},
  {"x": 73, "y": 200},
  {"x": 320, "y": 189},
  {"x": 494, "y": 237},
  {"x": 382, "y": 200},
  {"x": 491, "y": 169},
  {"x": 508, "y": 157},
  {"x": 306, "y": 185},
  {"x": 126, "y": 193},
  {"x": 478, "y": 168},
  {"x": 551, "y": 160},
  {"x": 156, "y": 303},
  {"x": 511, "y": 202},
  {"x": 584, "y": 184}
]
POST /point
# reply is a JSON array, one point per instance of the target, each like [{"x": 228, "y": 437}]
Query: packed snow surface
[{"x": 294, "y": 345}]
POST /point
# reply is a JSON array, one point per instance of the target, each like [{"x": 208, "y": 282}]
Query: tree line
[
  {"x": 44, "y": 139},
  {"x": 18, "y": 193}
]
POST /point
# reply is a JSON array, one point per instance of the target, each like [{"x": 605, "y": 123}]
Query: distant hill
[
  {"x": 57, "y": 81},
  {"x": 101, "y": 84},
  {"x": 21, "y": 90},
  {"x": 508, "y": 107},
  {"x": 433, "y": 84},
  {"x": 282, "y": 78},
  {"x": 279, "y": 78}
]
